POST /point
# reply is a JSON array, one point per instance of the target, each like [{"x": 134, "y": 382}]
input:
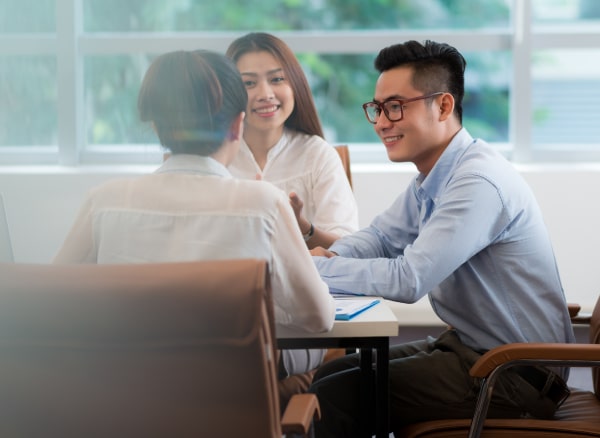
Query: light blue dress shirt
[{"x": 472, "y": 237}]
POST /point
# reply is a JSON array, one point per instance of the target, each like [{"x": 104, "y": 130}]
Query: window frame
[{"x": 70, "y": 45}]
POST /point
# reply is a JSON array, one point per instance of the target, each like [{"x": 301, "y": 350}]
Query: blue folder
[{"x": 348, "y": 308}]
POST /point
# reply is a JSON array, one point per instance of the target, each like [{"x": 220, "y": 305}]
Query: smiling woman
[
  {"x": 271, "y": 102},
  {"x": 283, "y": 140}
]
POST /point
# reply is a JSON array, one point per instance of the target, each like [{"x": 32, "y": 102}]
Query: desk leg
[
  {"x": 382, "y": 402},
  {"x": 370, "y": 394},
  {"x": 366, "y": 391}
]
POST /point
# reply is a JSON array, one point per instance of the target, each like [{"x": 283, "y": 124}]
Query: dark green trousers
[{"x": 429, "y": 379}]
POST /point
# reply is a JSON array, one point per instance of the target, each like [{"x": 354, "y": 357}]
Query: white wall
[{"x": 42, "y": 202}]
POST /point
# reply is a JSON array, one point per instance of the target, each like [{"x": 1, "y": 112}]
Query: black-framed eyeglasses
[{"x": 392, "y": 108}]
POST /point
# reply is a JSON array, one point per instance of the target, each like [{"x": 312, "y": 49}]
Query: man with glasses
[{"x": 468, "y": 233}]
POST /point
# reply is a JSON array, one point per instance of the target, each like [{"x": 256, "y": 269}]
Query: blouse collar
[{"x": 189, "y": 163}]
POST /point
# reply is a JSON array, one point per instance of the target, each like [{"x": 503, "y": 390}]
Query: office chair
[
  {"x": 344, "y": 154},
  {"x": 579, "y": 416},
  {"x": 148, "y": 350}
]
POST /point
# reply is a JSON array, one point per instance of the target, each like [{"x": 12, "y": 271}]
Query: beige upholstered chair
[
  {"x": 148, "y": 350},
  {"x": 579, "y": 416}
]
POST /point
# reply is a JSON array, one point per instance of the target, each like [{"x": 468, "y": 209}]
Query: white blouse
[
  {"x": 309, "y": 166},
  {"x": 192, "y": 209}
]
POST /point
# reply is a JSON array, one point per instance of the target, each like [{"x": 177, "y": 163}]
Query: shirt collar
[
  {"x": 274, "y": 151},
  {"x": 280, "y": 145},
  {"x": 189, "y": 163},
  {"x": 432, "y": 184}
]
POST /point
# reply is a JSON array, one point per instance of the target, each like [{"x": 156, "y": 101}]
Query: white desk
[{"x": 369, "y": 331}]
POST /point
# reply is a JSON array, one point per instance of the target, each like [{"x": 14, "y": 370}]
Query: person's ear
[
  {"x": 446, "y": 106},
  {"x": 236, "y": 129}
]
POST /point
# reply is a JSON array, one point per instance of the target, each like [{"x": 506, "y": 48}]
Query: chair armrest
[
  {"x": 573, "y": 309},
  {"x": 576, "y": 316},
  {"x": 292, "y": 385},
  {"x": 582, "y": 318},
  {"x": 299, "y": 414},
  {"x": 544, "y": 352},
  {"x": 496, "y": 360}
]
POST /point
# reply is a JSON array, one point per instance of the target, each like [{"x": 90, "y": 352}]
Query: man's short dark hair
[{"x": 436, "y": 67}]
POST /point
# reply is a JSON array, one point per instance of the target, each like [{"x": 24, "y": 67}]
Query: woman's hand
[
  {"x": 297, "y": 205},
  {"x": 318, "y": 237}
]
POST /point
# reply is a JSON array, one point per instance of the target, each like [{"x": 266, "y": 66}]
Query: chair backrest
[
  {"x": 344, "y": 154},
  {"x": 152, "y": 350},
  {"x": 6, "y": 252}
]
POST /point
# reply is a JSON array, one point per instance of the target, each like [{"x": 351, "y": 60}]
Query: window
[
  {"x": 565, "y": 80},
  {"x": 70, "y": 70}
]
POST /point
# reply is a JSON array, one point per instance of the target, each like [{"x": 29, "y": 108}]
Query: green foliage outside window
[
  {"x": 340, "y": 82},
  {"x": 273, "y": 15}
]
